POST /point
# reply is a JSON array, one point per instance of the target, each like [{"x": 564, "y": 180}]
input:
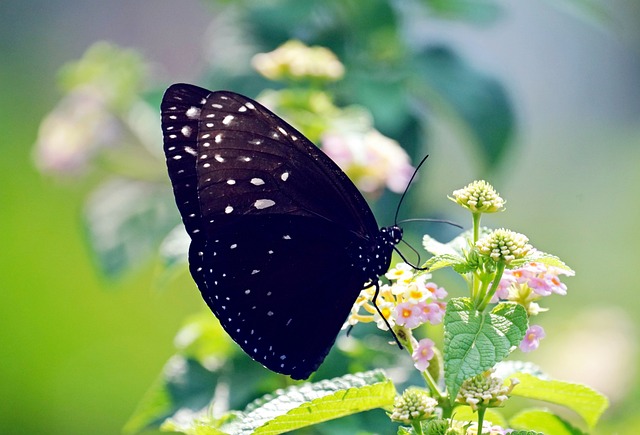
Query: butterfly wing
[{"x": 275, "y": 226}]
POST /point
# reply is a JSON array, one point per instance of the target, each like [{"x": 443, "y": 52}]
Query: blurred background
[{"x": 80, "y": 347}]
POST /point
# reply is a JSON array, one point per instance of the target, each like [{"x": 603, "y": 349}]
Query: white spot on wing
[
  {"x": 257, "y": 181},
  {"x": 228, "y": 210},
  {"x": 218, "y": 138},
  {"x": 250, "y": 105},
  {"x": 219, "y": 158},
  {"x": 186, "y": 131},
  {"x": 231, "y": 182},
  {"x": 242, "y": 109},
  {"x": 263, "y": 203},
  {"x": 191, "y": 151},
  {"x": 227, "y": 119},
  {"x": 192, "y": 112},
  {"x": 284, "y": 176}
]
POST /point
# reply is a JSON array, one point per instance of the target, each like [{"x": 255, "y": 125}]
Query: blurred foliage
[{"x": 403, "y": 82}]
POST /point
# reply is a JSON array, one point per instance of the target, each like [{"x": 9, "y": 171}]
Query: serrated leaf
[
  {"x": 544, "y": 258},
  {"x": 309, "y": 404},
  {"x": 126, "y": 222},
  {"x": 437, "y": 248},
  {"x": 583, "y": 400},
  {"x": 542, "y": 421},
  {"x": 442, "y": 261},
  {"x": 474, "y": 342}
]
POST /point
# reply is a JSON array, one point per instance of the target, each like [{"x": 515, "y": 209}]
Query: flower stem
[
  {"x": 481, "y": 411},
  {"x": 496, "y": 282},
  {"x": 406, "y": 339},
  {"x": 417, "y": 427},
  {"x": 476, "y": 226}
]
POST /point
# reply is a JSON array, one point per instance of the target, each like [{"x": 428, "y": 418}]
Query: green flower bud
[
  {"x": 413, "y": 405},
  {"x": 479, "y": 197},
  {"x": 485, "y": 391},
  {"x": 504, "y": 245}
]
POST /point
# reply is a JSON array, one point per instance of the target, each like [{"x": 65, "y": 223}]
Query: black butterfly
[{"x": 282, "y": 242}]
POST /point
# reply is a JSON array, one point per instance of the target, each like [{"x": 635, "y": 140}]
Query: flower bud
[
  {"x": 479, "y": 197},
  {"x": 413, "y": 405},
  {"x": 485, "y": 391},
  {"x": 504, "y": 245}
]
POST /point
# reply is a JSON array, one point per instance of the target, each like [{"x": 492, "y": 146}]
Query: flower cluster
[
  {"x": 505, "y": 245},
  {"x": 413, "y": 405},
  {"x": 530, "y": 283},
  {"x": 479, "y": 197},
  {"x": 371, "y": 159},
  {"x": 485, "y": 390},
  {"x": 294, "y": 60},
  {"x": 408, "y": 301}
]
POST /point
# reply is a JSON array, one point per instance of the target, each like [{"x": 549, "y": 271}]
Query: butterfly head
[{"x": 391, "y": 235}]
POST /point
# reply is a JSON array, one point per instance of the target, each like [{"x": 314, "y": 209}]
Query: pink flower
[
  {"x": 436, "y": 292},
  {"x": 532, "y": 338},
  {"x": 541, "y": 286},
  {"x": 408, "y": 315},
  {"x": 555, "y": 285},
  {"x": 422, "y": 354},
  {"x": 432, "y": 312}
]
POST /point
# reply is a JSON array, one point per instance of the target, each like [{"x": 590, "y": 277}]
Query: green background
[{"x": 78, "y": 352}]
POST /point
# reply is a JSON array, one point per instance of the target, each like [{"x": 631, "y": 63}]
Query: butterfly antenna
[
  {"x": 407, "y": 261},
  {"x": 386, "y": 322},
  {"x": 424, "y": 159},
  {"x": 441, "y": 221}
]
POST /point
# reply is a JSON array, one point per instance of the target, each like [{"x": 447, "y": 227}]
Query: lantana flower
[
  {"x": 408, "y": 301},
  {"x": 479, "y": 197},
  {"x": 423, "y": 353},
  {"x": 532, "y": 338},
  {"x": 528, "y": 284},
  {"x": 294, "y": 60}
]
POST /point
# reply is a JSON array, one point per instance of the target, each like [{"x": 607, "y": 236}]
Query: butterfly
[{"x": 282, "y": 242}]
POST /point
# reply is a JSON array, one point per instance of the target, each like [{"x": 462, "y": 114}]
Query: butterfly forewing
[{"x": 279, "y": 234}]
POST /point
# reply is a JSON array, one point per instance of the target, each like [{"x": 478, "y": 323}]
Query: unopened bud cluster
[
  {"x": 485, "y": 391},
  {"x": 504, "y": 245},
  {"x": 413, "y": 405},
  {"x": 479, "y": 197}
]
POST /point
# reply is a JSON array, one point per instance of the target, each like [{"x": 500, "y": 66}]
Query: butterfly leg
[{"x": 375, "y": 304}]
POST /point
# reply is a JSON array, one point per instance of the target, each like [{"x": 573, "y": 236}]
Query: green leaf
[
  {"x": 126, "y": 221},
  {"x": 476, "y": 103},
  {"x": 474, "y": 342},
  {"x": 585, "y": 401},
  {"x": 442, "y": 261},
  {"x": 544, "y": 258},
  {"x": 185, "y": 386},
  {"x": 542, "y": 421},
  {"x": 309, "y": 404},
  {"x": 188, "y": 380}
]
